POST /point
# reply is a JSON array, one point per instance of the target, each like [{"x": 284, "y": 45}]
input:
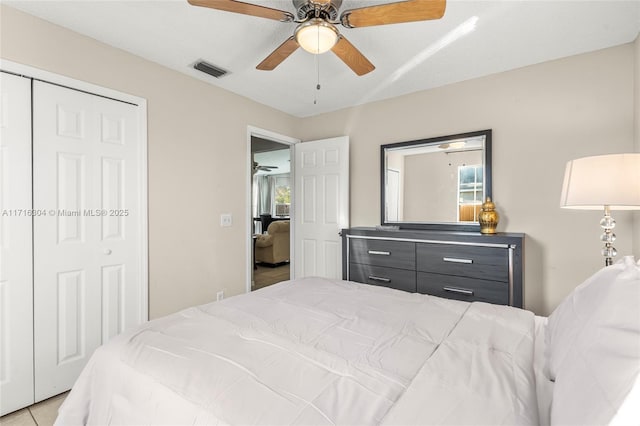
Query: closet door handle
[
  {"x": 381, "y": 279},
  {"x": 107, "y": 251},
  {"x": 380, "y": 253},
  {"x": 458, "y": 290}
]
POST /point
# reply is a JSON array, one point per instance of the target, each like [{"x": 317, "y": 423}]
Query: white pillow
[{"x": 593, "y": 347}]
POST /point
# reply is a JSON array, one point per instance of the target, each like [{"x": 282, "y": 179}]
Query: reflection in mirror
[{"x": 439, "y": 181}]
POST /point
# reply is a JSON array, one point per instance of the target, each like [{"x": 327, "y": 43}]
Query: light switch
[{"x": 226, "y": 219}]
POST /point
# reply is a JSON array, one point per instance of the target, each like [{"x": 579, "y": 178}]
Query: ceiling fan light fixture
[
  {"x": 316, "y": 36},
  {"x": 453, "y": 145}
]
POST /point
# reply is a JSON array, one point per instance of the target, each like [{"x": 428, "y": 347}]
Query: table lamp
[{"x": 609, "y": 182}]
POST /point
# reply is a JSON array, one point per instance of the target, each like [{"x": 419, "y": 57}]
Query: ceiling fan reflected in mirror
[{"x": 317, "y": 19}]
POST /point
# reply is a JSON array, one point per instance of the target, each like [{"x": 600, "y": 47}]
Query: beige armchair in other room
[{"x": 273, "y": 247}]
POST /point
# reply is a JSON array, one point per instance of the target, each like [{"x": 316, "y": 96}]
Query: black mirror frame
[{"x": 437, "y": 226}]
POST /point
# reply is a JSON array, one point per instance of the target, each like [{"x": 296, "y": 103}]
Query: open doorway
[{"x": 271, "y": 212}]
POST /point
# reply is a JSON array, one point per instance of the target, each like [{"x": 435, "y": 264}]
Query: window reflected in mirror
[{"x": 470, "y": 191}]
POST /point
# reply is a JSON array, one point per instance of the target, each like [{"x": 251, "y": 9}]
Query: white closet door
[
  {"x": 321, "y": 206},
  {"x": 88, "y": 280},
  {"x": 16, "y": 291}
]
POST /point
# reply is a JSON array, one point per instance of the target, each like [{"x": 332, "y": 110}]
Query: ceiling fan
[
  {"x": 317, "y": 19},
  {"x": 257, "y": 167}
]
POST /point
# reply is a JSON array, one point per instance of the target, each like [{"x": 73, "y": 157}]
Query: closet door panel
[
  {"x": 118, "y": 181},
  {"x": 16, "y": 294},
  {"x": 87, "y": 270}
]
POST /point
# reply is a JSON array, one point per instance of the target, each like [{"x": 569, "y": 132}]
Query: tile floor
[{"x": 43, "y": 413}]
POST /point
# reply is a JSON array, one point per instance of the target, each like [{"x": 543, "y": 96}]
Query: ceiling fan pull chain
[
  {"x": 318, "y": 72},
  {"x": 315, "y": 97}
]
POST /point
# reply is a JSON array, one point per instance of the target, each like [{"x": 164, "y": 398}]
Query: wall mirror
[{"x": 436, "y": 183}]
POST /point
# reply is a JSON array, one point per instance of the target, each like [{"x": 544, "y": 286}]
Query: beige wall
[
  {"x": 197, "y": 144},
  {"x": 541, "y": 116}
]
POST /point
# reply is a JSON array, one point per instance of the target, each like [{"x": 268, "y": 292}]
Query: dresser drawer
[
  {"x": 462, "y": 288},
  {"x": 488, "y": 263},
  {"x": 400, "y": 279},
  {"x": 393, "y": 254}
]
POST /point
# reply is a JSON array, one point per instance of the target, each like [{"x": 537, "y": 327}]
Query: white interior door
[
  {"x": 16, "y": 291},
  {"x": 88, "y": 269},
  {"x": 321, "y": 206},
  {"x": 393, "y": 195}
]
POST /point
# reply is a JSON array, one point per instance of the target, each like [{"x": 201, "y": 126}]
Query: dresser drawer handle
[
  {"x": 458, "y": 290},
  {"x": 380, "y": 253},
  {"x": 374, "y": 278},
  {"x": 456, "y": 260}
]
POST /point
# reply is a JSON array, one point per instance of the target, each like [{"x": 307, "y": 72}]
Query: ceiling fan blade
[
  {"x": 281, "y": 53},
  {"x": 245, "y": 9},
  {"x": 352, "y": 57},
  {"x": 394, "y": 13}
]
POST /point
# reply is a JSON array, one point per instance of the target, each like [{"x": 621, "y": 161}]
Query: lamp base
[{"x": 608, "y": 223}]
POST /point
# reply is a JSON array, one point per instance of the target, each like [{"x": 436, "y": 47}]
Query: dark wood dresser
[{"x": 456, "y": 265}]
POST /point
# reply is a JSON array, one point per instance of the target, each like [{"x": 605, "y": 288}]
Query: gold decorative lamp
[{"x": 609, "y": 182}]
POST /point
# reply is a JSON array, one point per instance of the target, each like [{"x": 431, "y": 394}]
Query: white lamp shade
[
  {"x": 316, "y": 36},
  {"x": 604, "y": 180}
]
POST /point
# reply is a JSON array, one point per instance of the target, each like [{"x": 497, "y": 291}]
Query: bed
[{"x": 316, "y": 351}]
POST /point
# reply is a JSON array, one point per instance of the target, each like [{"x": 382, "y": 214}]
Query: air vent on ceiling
[{"x": 212, "y": 70}]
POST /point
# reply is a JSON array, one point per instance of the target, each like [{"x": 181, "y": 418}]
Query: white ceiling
[
  {"x": 474, "y": 38},
  {"x": 279, "y": 159}
]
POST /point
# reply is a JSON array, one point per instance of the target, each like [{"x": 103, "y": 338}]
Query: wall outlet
[
  {"x": 226, "y": 219},
  {"x": 219, "y": 295}
]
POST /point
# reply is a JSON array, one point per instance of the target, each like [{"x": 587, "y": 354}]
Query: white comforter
[{"x": 316, "y": 352}]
